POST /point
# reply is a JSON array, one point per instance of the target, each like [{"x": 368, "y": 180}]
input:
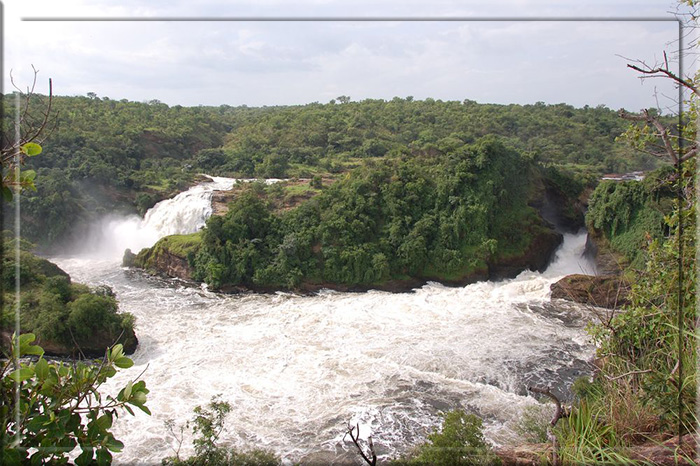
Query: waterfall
[{"x": 185, "y": 213}]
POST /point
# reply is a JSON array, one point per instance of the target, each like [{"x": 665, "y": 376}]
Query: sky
[{"x": 255, "y": 63}]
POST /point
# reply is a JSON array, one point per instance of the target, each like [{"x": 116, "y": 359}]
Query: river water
[{"x": 297, "y": 369}]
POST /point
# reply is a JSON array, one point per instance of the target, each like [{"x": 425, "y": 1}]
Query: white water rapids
[{"x": 297, "y": 369}]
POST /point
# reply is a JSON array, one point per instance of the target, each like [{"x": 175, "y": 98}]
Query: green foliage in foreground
[
  {"x": 207, "y": 425},
  {"x": 647, "y": 381},
  {"x": 68, "y": 317},
  {"x": 432, "y": 217},
  {"x": 60, "y": 407},
  {"x": 458, "y": 442}
]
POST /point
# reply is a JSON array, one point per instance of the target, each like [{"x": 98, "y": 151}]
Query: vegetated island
[{"x": 390, "y": 224}]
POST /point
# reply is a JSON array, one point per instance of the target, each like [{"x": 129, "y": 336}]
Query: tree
[
  {"x": 459, "y": 441},
  {"x": 208, "y": 425},
  {"x": 50, "y": 409}
]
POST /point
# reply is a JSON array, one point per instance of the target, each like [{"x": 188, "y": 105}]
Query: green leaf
[
  {"x": 140, "y": 386},
  {"x": 104, "y": 422},
  {"x": 42, "y": 369},
  {"x": 31, "y": 149},
  {"x": 104, "y": 457},
  {"x": 139, "y": 398},
  {"x": 117, "y": 352},
  {"x": 25, "y": 348},
  {"x": 123, "y": 362},
  {"x": 11, "y": 456},
  {"x": 144, "y": 409},
  {"x": 36, "y": 459},
  {"x": 85, "y": 458},
  {"x": 32, "y": 350},
  {"x": 37, "y": 423},
  {"x": 28, "y": 175},
  {"x": 22, "y": 374},
  {"x": 115, "y": 445},
  {"x": 127, "y": 391},
  {"x": 26, "y": 338}
]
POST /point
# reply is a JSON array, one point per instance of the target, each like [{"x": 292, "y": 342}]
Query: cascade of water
[{"x": 185, "y": 213}]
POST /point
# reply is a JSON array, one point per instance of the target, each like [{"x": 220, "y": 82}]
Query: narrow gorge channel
[{"x": 296, "y": 369}]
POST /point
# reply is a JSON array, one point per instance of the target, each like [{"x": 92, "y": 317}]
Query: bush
[
  {"x": 534, "y": 423},
  {"x": 459, "y": 442},
  {"x": 207, "y": 425}
]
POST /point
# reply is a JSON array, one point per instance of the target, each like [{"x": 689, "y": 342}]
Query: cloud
[{"x": 268, "y": 63}]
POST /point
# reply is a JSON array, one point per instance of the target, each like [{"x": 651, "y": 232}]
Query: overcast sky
[{"x": 271, "y": 63}]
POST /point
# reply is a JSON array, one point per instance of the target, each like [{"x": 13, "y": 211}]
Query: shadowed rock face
[
  {"x": 609, "y": 291},
  {"x": 606, "y": 260},
  {"x": 94, "y": 347},
  {"x": 161, "y": 261},
  {"x": 537, "y": 257}
]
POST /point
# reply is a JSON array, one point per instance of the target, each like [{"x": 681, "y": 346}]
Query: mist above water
[
  {"x": 183, "y": 214},
  {"x": 297, "y": 369}
]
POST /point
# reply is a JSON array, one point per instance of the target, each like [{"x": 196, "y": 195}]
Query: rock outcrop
[
  {"x": 525, "y": 455},
  {"x": 609, "y": 291},
  {"x": 92, "y": 347},
  {"x": 162, "y": 261},
  {"x": 167, "y": 257},
  {"x": 655, "y": 451},
  {"x": 606, "y": 260}
]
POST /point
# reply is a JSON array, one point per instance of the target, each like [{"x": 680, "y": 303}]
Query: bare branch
[
  {"x": 647, "y": 70},
  {"x": 662, "y": 131},
  {"x": 355, "y": 438},
  {"x": 627, "y": 374},
  {"x": 34, "y": 123},
  {"x": 559, "y": 411}
]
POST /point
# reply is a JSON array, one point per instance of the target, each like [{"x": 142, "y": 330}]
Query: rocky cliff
[
  {"x": 609, "y": 291},
  {"x": 167, "y": 257}
]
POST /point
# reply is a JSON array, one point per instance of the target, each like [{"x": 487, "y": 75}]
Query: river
[{"x": 297, "y": 369}]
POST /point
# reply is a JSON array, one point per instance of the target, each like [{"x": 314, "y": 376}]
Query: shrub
[
  {"x": 207, "y": 425},
  {"x": 459, "y": 442}
]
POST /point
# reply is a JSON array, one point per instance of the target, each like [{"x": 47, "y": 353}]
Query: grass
[
  {"x": 180, "y": 245},
  {"x": 586, "y": 439},
  {"x": 299, "y": 189}
]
